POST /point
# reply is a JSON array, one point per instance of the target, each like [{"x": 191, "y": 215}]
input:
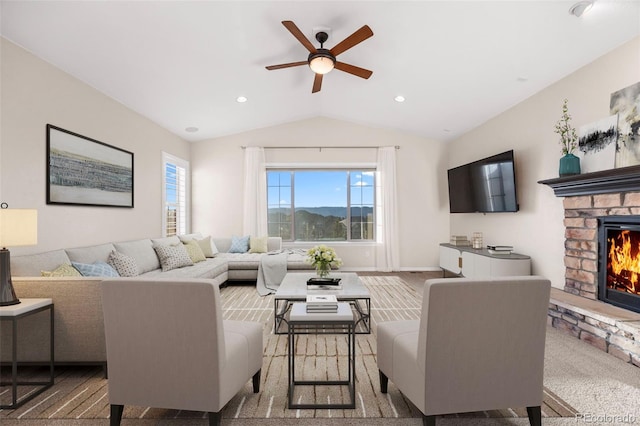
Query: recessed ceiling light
[
  {"x": 446, "y": 130},
  {"x": 191, "y": 129},
  {"x": 580, "y": 8},
  {"x": 241, "y": 99},
  {"x": 399, "y": 98},
  {"x": 522, "y": 79}
]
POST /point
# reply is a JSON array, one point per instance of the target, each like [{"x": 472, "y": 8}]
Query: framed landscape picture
[
  {"x": 84, "y": 171},
  {"x": 597, "y": 144},
  {"x": 626, "y": 103}
]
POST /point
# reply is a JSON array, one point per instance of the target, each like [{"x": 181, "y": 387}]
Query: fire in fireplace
[{"x": 619, "y": 261}]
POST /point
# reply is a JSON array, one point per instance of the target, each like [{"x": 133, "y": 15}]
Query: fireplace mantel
[{"x": 603, "y": 182}]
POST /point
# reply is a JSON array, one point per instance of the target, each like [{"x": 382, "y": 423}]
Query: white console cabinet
[{"x": 479, "y": 263}]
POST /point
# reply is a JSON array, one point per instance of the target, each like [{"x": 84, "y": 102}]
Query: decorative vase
[
  {"x": 323, "y": 269},
  {"x": 569, "y": 165}
]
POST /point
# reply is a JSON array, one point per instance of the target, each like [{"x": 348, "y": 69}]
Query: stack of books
[
  {"x": 500, "y": 249},
  {"x": 326, "y": 303},
  {"x": 460, "y": 240}
]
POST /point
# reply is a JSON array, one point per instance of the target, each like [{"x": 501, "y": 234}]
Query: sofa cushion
[
  {"x": 142, "y": 252},
  {"x": 91, "y": 254},
  {"x": 31, "y": 265},
  {"x": 173, "y": 256},
  {"x": 64, "y": 270},
  {"x": 241, "y": 260},
  {"x": 189, "y": 237},
  {"x": 165, "y": 241},
  {"x": 206, "y": 244},
  {"x": 258, "y": 244},
  {"x": 210, "y": 269},
  {"x": 194, "y": 251},
  {"x": 239, "y": 244},
  {"x": 125, "y": 265},
  {"x": 96, "y": 269}
]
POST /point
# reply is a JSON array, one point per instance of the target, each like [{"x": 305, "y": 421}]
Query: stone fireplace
[
  {"x": 619, "y": 261},
  {"x": 600, "y": 205}
]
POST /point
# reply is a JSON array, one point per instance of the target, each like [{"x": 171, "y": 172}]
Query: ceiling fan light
[{"x": 321, "y": 64}]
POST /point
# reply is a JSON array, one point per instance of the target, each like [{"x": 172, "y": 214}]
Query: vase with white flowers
[
  {"x": 323, "y": 258},
  {"x": 569, "y": 163}
]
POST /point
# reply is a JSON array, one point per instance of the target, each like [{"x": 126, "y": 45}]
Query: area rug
[{"x": 81, "y": 392}]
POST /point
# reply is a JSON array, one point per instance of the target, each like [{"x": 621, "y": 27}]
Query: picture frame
[
  {"x": 86, "y": 172},
  {"x": 597, "y": 144}
]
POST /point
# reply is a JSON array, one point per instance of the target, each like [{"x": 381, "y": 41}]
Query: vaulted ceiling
[{"x": 183, "y": 63}]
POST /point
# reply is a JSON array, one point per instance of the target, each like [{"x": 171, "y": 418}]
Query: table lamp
[{"x": 18, "y": 227}]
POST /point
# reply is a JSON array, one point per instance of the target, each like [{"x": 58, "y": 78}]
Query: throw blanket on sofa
[{"x": 272, "y": 269}]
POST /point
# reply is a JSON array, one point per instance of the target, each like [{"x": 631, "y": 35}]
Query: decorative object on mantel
[
  {"x": 18, "y": 227},
  {"x": 597, "y": 144},
  {"x": 626, "y": 103},
  {"x": 323, "y": 258},
  {"x": 569, "y": 163}
]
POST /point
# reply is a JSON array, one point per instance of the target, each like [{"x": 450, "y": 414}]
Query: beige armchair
[
  {"x": 168, "y": 347},
  {"x": 479, "y": 345}
]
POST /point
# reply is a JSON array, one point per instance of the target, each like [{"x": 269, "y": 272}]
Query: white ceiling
[{"x": 182, "y": 64}]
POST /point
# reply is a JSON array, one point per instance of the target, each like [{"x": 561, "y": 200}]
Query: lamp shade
[{"x": 18, "y": 227}]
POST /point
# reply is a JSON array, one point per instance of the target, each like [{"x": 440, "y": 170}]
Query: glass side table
[{"x": 14, "y": 313}]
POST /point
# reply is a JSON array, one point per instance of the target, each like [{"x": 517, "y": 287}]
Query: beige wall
[
  {"x": 217, "y": 171},
  {"x": 537, "y": 229},
  {"x": 34, "y": 93}
]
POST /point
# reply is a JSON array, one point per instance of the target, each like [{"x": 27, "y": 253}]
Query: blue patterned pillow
[
  {"x": 239, "y": 244},
  {"x": 97, "y": 269}
]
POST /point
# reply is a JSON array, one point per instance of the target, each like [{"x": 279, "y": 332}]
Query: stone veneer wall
[{"x": 599, "y": 326}]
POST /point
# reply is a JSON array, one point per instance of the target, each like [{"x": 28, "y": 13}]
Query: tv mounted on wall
[{"x": 484, "y": 186}]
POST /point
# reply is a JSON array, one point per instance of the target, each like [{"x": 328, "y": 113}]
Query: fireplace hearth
[{"x": 619, "y": 261}]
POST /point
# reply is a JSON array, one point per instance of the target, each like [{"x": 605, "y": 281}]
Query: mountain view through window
[{"x": 321, "y": 205}]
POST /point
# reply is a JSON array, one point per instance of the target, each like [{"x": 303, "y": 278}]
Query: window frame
[
  {"x": 349, "y": 169},
  {"x": 183, "y": 164}
]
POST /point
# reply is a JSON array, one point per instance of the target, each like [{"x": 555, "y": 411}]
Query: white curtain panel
[
  {"x": 387, "y": 252},
  {"x": 255, "y": 192}
]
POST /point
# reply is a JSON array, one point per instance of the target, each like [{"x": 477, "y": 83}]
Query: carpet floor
[{"x": 80, "y": 395}]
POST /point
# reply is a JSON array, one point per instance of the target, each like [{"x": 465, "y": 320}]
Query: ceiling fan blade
[
  {"x": 290, "y": 64},
  {"x": 358, "y": 37},
  {"x": 293, "y": 29},
  {"x": 317, "y": 83},
  {"x": 352, "y": 69}
]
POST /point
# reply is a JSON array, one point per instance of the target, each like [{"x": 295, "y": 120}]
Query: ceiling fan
[{"x": 322, "y": 60}]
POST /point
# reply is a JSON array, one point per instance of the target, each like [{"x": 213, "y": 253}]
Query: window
[
  {"x": 321, "y": 205},
  {"x": 175, "y": 210}
]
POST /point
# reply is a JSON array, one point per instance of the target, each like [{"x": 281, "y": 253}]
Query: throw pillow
[
  {"x": 125, "y": 265},
  {"x": 64, "y": 270},
  {"x": 194, "y": 251},
  {"x": 239, "y": 244},
  {"x": 208, "y": 246},
  {"x": 258, "y": 245},
  {"x": 96, "y": 269},
  {"x": 173, "y": 257}
]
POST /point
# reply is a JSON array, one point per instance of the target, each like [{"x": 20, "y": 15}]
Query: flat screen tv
[{"x": 484, "y": 186}]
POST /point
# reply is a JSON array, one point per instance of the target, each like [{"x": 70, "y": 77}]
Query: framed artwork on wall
[
  {"x": 626, "y": 103},
  {"x": 597, "y": 145},
  {"x": 87, "y": 172}
]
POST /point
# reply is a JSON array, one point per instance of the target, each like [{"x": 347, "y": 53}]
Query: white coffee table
[{"x": 294, "y": 289}]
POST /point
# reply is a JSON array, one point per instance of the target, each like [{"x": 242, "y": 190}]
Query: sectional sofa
[{"x": 79, "y": 326}]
